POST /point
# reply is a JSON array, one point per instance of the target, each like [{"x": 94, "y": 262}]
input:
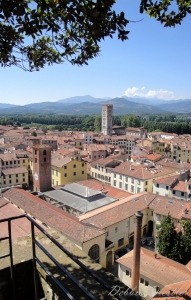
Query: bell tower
[{"x": 42, "y": 177}]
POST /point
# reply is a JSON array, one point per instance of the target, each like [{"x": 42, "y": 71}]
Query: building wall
[
  {"x": 144, "y": 290},
  {"x": 73, "y": 171},
  {"x": 14, "y": 179}
]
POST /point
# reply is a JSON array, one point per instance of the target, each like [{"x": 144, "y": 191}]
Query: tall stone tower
[
  {"x": 107, "y": 116},
  {"x": 42, "y": 176}
]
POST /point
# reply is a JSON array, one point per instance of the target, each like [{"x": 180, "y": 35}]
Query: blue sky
[{"x": 154, "y": 62}]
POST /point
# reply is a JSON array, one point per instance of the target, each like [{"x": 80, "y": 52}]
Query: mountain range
[{"x": 90, "y": 105}]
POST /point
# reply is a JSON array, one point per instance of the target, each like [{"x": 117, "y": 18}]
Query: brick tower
[
  {"x": 136, "y": 253},
  {"x": 42, "y": 177},
  {"x": 107, "y": 116}
]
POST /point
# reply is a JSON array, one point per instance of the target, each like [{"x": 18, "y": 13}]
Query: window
[
  {"x": 19, "y": 161},
  {"x": 74, "y": 173},
  {"x": 145, "y": 190},
  {"x": 52, "y": 171},
  {"x": 107, "y": 233},
  {"x": 15, "y": 162},
  {"x": 126, "y": 186},
  {"x": 56, "y": 182},
  {"x": 146, "y": 182},
  {"x": 82, "y": 172},
  {"x": 120, "y": 177},
  {"x": 94, "y": 252},
  {"x": 166, "y": 187},
  {"x": 16, "y": 175},
  {"x": 132, "y": 189},
  {"x": 158, "y": 217},
  {"x": 128, "y": 273},
  {"x": 116, "y": 229},
  {"x": 120, "y": 242},
  {"x": 9, "y": 176},
  {"x": 126, "y": 178},
  {"x": 10, "y": 162},
  {"x": 35, "y": 160},
  {"x": 74, "y": 166},
  {"x": 44, "y": 159},
  {"x": 23, "y": 174},
  {"x": 157, "y": 185},
  {"x": 82, "y": 164},
  {"x": 114, "y": 175},
  {"x": 17, "y": 180},
  {"x": 138, "y": 182},
  {"x": 127, "y": 224},
  {"x": 114, "y": 182},
  {"x": 4, "y": 182},
  {"x": 23, "y": 161},
  {"x": 6, "y": 162},
  {"x": 142, "y": 280},
  {"x": 52, "y": 181},
  {"x": 151, "y": 213},
  {"x": 56, "y": 172},
  {"x": 120, "y": 185},
  {"x": 23, "y": 179},
  {"x": 9, "y": 181},
  {"x": 65, "y": 167},
  {"x": 138, "y": 190},
  {"x": 182, "y": 193},
  {"x": 65, "y": 175},
  {"x": 146, "y": 283},
  {"x": 132, "y": 180},
  {"x": 174, "y": 192},
  {"x": 35, "y": 152}
]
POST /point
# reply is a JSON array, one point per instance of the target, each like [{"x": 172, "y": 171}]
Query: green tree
[
  {"x": 97, "y": 123},
  {"x": 33, "y": 133},
  {"x": 186, "y": 241},
  {"x": 34, "y": 33},
  {"x": 167, "y": 238}
]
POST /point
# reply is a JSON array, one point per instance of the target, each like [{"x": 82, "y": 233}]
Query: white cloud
[{"x": 160, "y": 94}]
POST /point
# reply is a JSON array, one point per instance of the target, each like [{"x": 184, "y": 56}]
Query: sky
[{"x": 154, "y": 63}]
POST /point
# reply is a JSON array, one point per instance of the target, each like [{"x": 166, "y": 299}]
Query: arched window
[
  {"x": 44, "y": 152},
  {"x": 94, "y": 252}
]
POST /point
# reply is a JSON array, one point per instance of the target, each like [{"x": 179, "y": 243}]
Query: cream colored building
[
  {"x": 131, "y": 177},
  {"x": 155, "y": 272}
]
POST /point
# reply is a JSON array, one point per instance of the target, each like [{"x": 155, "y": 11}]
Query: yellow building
[
  {"x": 14, "y": 176},
  {"x": 66, "y": 169}
]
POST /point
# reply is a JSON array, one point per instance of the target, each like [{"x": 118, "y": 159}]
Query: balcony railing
[{"x": 66, "y": 294}]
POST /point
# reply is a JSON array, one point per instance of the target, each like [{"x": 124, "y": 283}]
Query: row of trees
[
  {"x": 172, "y": 244},
  {"x": 93, "y": 123}
]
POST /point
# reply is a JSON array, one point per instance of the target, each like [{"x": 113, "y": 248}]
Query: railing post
[
  {"x": 11, "y": 259},
  {"x": 34, "y": 262}
]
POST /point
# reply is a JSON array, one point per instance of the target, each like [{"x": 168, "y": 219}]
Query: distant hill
[
  {"x": 90, "y": 105},
  {"x": 6, "y": 105},
  {"x": 120, "y": 106},
  {"x": 177, "y": 106}
]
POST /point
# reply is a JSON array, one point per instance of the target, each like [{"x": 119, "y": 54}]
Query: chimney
[{"x": 136, "y": 253}]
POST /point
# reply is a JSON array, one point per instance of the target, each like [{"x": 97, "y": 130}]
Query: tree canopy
[{"x": 34, "y": 33}]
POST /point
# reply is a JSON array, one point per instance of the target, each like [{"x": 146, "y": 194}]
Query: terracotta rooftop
[
  {"x": 109, "y": 190},
  {"x": 12, "y": 171},
  {"x": 58, "y": 160},
  {"x": 173, "y": 291},
  {"x": 181, "y": 186},
  {"x": 140, "y": 171},
  {"x": 163, "y": 205},
  {"x": 118, "y": 211},
  {"x": 161, "y": 270},
  {"x": 166, "y": 180},
  {"x": 54, "y": 217}
]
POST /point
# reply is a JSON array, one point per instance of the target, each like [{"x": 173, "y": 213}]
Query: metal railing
[{"x": 36, "y": 260}]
